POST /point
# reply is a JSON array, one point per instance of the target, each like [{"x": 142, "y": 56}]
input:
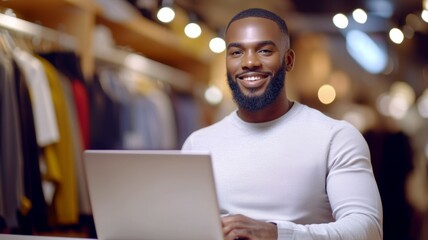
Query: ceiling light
[
  {"x": 217, "y": 45},
  {"x": 396, "y": 35},
  {"x": 166, "y": 14},
  {"x": 359, "y": 15},
  {"x": 424, "y": 15},
  {"x": 192, "y": 30},
  {"x": 340, "y": 20}
]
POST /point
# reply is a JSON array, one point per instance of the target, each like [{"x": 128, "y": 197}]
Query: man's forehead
[
  {"x": 253, "y": 29},
  {"x": 253, "y": 22}
]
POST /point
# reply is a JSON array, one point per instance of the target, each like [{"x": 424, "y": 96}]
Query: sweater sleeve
[{"x": 352, "y": 192}]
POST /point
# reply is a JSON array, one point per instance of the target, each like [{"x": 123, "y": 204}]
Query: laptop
[{"x": 138, "y": 195}]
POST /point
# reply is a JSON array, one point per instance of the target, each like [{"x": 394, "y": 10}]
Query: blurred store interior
[{"x": 363, "y": 61}]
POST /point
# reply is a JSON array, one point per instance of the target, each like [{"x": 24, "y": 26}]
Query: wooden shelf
[
  {"x": 78, "y": 18},
  {"x": 144, "y": 37}
]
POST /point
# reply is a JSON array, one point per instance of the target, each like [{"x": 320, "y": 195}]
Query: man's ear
[{"x": 289, "y": 58}]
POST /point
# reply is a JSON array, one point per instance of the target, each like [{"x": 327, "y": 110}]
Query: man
[{"x": 282, "y": 169}]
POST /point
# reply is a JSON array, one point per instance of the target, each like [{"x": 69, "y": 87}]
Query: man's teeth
[{"x": 251, "y": 78}]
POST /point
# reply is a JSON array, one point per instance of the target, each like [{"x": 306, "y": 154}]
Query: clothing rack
[
  {"x": 132, "y": 61},
  {"x": 145, "y": 66},
  {"x": 35, "y": 30}
]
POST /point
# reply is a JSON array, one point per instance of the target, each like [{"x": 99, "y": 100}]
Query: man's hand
[{"x": 244, "y": 228}]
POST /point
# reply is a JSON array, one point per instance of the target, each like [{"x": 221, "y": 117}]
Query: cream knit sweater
[{"x": 308, "y": 173}]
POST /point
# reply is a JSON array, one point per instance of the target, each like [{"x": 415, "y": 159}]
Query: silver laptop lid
[{"x": 152, "y": 195}]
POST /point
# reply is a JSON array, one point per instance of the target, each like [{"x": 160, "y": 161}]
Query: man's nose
[{"x": 250, "y": 61}]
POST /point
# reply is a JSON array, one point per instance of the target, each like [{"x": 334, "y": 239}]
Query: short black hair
[{"x": 262, "y": 13}]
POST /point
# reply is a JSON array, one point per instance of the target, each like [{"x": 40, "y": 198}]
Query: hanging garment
[
  {"x": 392, "y": 160},
  {"x": 84, "y": 202},
  {"x": 41, "y": 99},
  {"x": 187, "y": 115},
  {"x": 65, "y": 201},
  {"x": 33, "y": 210},
  {"x": 11, "y": 159},
  {"x": 167, "y": 129},
  {"x": 105, "y": 114},
  {"x": 68, "y": 63},
  {"x": 113, "y": 87}
]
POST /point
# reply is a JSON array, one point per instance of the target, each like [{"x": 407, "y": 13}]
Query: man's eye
[
  {"x": 235, "y": 53},
  {"x": 265, "y": 51}
]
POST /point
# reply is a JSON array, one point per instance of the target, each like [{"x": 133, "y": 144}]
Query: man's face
[{"x": 255, "y": 61}]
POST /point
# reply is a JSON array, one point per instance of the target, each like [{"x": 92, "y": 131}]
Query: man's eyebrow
[
  {"x": 267, "y": 42},
  {"x": 261, "y": 43},
  {"x": 234, "y": 44}
]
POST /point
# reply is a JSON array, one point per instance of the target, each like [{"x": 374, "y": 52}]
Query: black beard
[{"x": 255, "y": 103}]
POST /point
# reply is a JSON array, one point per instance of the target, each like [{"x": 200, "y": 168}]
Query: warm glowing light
[
  {"x": 192, "y": 30},
  {"x": 408, "y": 31},
  {"x": 403, "y": 90},
  {"x": 217, "y": 45},
  {"x": 166, "y": 14},
  {"x": 382, "y": 104},
  {"x": 398, "y": 107},
  {"x": 426, "y": 150},
  {"x": 326, "y": 94},
  {"x": 359, "y": 15},
  {"x": 396, "y": 35},
  {"x": 424, "y": 15},
  {"x": 356, "y": 119},
  {"x": 213, "y": 95},
  {"x": 397, "y": 102},
  {"x": 422, "y": 104},
  {"x": 340, "y": 20}
]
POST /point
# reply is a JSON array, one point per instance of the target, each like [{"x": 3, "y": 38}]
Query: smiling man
[{"x": 284, "y": 170}]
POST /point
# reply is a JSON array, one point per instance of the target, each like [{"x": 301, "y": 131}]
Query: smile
[
  {"x": 253, "y": 80},
  {"x": 252, "y": 76}
]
